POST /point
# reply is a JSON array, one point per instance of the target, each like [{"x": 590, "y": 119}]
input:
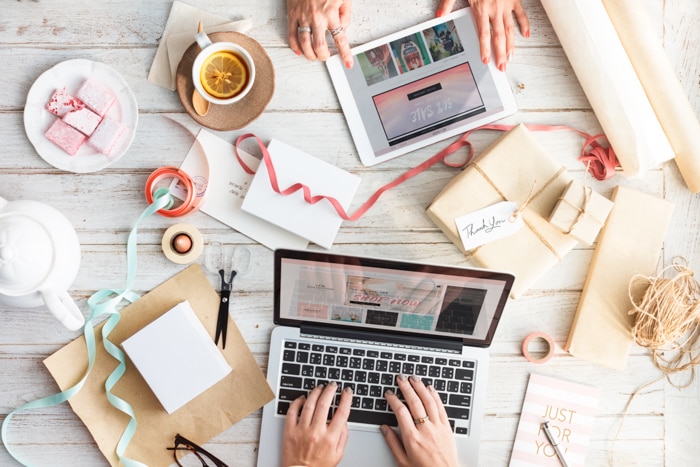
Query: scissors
[
  {"x": 222, "y": 320},
  {"x": 215, "y": 259}
]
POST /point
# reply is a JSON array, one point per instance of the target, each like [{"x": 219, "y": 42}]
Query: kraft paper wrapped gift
[
  {"x": 515, "y": 168},
  {"x": 629, "y": 244},
  {"x": 581, "y": 212}
]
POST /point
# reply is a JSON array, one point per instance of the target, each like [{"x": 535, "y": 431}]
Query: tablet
[{"x": 419, "y": 86}]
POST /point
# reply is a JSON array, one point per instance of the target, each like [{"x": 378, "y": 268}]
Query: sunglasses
[{"x": 184, "y": 446}]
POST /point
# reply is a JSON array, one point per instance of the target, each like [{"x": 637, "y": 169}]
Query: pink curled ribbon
[{"x": 601, "y": 163}]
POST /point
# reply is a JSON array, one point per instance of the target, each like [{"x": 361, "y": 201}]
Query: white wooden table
[{"x": 663, "y": 424}]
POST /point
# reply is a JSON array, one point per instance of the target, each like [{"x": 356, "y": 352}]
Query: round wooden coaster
[{"x": 241, "y": 113}]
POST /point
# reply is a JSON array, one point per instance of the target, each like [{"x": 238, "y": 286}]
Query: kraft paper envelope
[
  {"x": 629, "y": 244},
  {"x": 241, "y": 392}
]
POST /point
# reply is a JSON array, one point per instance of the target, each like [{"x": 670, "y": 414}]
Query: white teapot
[{"x": 39, "y": 259}]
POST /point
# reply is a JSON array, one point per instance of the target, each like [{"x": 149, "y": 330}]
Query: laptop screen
[{"x": 384, "y": 295}]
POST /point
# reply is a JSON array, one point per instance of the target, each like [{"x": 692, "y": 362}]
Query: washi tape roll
[
  {"x": 526, "y": 347},
  {"x": 182, "y": 243},
  {"x": 193, "y": 196}
]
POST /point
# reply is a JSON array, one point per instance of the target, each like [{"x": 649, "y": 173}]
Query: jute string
[
  {"x": 667, "y": 323},
  {"x": 533, "y": 194}
]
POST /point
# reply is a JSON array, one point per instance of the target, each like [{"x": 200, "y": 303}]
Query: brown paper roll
[
  {"x": 610, "y": 82},
  {"x": 659, "y": 80}
]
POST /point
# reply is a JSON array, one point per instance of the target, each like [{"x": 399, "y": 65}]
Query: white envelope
[
  {"x": 214, "y": 160},
  {"x": 318, "y": 222}
]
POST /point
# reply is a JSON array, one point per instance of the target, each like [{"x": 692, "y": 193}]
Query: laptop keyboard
[{"x": 370, "y": 373}]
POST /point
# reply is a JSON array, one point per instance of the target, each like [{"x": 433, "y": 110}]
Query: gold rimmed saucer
[{"x": 241, "y": 113}]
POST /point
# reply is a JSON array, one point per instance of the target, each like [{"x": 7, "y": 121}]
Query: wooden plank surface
[{"x": 662, "y": 424}]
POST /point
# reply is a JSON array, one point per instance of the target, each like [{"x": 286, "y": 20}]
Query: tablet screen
[{"x": 418, "y": 86}]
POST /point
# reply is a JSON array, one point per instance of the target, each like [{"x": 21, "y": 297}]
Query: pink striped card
[{"x": 570, "y": 408}]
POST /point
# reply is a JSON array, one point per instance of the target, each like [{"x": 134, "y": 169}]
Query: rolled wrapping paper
[
  {"x": 614, "y": 91},
  {"x": 662, "y": 87}
]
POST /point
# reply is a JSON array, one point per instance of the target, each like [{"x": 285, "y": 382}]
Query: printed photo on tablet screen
[{"x": 419, "y": 86}]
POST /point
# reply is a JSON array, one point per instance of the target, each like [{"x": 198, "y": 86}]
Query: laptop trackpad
[{"x": 367, "y": 448}]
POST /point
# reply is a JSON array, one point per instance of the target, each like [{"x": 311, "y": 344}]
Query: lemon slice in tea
[{"x": 223, "y": 74}]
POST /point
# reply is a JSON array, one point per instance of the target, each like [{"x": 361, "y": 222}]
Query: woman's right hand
[
  {"x": 426, "y": 436},
  {"x": 308, "y": 22}
]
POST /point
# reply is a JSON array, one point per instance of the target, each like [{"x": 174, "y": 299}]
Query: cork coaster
[{"x": 241, "y": 113}]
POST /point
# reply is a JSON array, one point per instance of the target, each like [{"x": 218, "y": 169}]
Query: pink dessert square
[
  {"x": 107, "y": 135},
  {"x": 61, "y": 103},
  {"x": 65, "y": 136},
  {"x": 96, "y": 96},
  {"x": 83, "y": 120}
]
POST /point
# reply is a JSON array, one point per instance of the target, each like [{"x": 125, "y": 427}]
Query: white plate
[{"x": 71, "y": 74}]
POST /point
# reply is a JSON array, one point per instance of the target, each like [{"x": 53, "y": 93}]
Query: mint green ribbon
[{"x": 101, "y": 304}]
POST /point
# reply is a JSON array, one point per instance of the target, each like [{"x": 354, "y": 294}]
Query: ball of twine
[{"x": 668, "y": 319}]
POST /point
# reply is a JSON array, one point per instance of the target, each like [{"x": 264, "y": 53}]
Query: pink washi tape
[
  {"x": 550, "y": 347},
  {"x": 193, "y": 196}
]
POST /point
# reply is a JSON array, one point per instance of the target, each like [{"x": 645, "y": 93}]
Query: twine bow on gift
[
  {"x": 518, "y": 212},
  {"x": 582, "y": 210}
]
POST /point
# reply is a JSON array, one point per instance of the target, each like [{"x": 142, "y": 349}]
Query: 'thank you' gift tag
[{"x": 488, "y": 224}]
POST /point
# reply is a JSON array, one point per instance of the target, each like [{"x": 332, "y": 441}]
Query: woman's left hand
[{"x": 309, "y": 439}]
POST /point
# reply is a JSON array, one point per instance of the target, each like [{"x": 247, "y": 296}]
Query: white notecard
[
  {"x": 227, "y": 186},
  {"x": 318, "y": 222},
  {"x": 177, "y": 357}
]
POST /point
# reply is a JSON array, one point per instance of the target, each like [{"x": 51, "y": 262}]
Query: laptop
[{"x": 362, "y": 321}]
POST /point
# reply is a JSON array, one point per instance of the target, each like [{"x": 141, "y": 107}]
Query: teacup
[{"x": 228, "y": 88}]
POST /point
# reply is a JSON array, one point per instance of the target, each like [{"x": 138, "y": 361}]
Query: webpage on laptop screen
[{"x": 388, "y": 299}]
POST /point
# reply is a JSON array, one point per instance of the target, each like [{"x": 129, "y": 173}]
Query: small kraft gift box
[{"x": 514, "y": 168}]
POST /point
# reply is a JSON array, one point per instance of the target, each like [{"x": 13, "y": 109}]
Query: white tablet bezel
[{"x": 355, "y": 120}]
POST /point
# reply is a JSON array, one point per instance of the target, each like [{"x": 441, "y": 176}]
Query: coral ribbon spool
[
  {"x": 538, "y": 335},
  {"x": 192, "y": 199}
]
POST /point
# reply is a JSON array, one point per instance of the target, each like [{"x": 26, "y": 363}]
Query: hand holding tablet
[
  {"x": 494, "y": 19},
  {"x": 419, "y": 86}
]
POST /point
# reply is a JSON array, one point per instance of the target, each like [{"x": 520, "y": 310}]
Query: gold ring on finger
[{"x": 421, "y": 420}]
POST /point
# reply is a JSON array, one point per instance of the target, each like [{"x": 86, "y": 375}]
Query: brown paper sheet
[
  {"x": 662, "y": 87},
  {"x": 243, "y": 391},
  {"x": 629, "y": 244},
  {"x": 538, "y": 246}
]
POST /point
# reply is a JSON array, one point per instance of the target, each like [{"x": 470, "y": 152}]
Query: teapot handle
[{"x": 63, "y": 308}]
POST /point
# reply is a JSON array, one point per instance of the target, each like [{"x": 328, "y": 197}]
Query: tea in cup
[{"x": 223, "y": 72}]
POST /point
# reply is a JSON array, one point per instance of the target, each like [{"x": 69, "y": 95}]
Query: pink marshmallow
[
  {"x": 65, "y": 137},
  {"x": 106, "y": 136},
  {"x": 83, "y": 120},
  {"x": 61, "y": 103},
  {"x": 96, "y": 96}
]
